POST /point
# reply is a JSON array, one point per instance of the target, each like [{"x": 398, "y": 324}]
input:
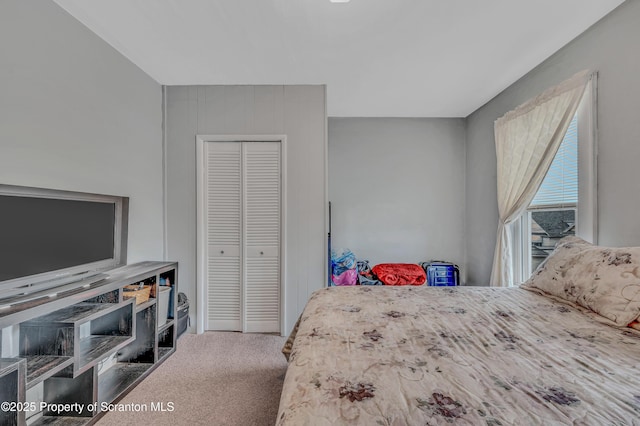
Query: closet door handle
[
  {"x": 221, "y": 251},
  {"x": 261, "y": 252}
]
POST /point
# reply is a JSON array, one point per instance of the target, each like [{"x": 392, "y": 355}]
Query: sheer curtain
[{"x": 527, "y": 139}]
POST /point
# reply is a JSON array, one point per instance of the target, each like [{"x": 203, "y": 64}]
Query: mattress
[{"x": 461, "y": 355}]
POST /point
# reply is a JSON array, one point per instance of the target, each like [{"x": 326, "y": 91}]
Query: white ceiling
[{"x": 378, "y": 58}]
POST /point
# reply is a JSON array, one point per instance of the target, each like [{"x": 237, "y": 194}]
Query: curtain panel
[{"x": 527, "y": 140}]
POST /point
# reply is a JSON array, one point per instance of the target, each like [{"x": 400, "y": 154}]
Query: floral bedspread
[{"x": 463, "y": 355}]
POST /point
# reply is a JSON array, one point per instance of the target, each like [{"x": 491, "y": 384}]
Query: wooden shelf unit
[{"x": 86, "y": 344}]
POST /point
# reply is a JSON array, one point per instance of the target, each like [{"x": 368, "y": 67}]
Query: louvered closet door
[
  {"x": 224, "y": 235},
  {"x": 262, "y": 201}
]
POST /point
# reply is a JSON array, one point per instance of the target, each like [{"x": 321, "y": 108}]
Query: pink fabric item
[{"x": 348, "y": 277}]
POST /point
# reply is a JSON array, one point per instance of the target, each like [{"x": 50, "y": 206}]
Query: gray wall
[
  {"x": 610, "y": 47},
  {"x": 76, "y": 115},
  {"x": 396, "y": 187},
  {"x": 296, "y": 111}
]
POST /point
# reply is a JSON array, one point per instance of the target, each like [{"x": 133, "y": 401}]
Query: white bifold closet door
[{"x": 243, "y": 203}]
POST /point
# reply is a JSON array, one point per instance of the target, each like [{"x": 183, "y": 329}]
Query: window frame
[{"x": 587, "y": 205}]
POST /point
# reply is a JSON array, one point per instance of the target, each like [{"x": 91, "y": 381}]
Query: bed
[{"x": 473, "y": 355}]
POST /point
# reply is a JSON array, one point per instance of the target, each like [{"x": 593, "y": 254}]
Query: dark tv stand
[{"x": 86, "y": 344}]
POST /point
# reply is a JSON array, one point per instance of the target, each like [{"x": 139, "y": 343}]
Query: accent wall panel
[{"x": 297, "y": 112}]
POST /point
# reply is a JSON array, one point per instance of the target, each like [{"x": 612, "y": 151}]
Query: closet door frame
[{"x": 201, "y": 240}]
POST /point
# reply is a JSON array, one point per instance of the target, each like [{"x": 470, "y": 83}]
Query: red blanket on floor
[{"x": 400, "y": 273}]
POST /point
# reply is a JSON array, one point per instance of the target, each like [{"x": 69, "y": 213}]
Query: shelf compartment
[
  {"x": 166, "y": 341},
  {"x": 164, "y": 352},
  {"x": 9, "y": 365},
  {"x": 60, "y": 421},
  {"x": 112, "y": 296},
  {"x": 118, "y": 379},
  {"x": 94, "y": 349},
  {"x": 143, "y": 348},
  {"x": 12, "y": 389},
  {"x": 75, "y": 314},
  {"x": 41, "y": 367},
  {"x": 108, "y": 327},
  {"x": 166, "y": 325},
  {"x": 81, "y": 389},
  {"x": 145, "y": 305}
]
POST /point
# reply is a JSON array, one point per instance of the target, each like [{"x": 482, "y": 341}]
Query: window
[
  {"x": 565, "y": 203},
  {"x": 551, "y": 215}
]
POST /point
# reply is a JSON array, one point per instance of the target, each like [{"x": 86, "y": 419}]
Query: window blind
[{"x": 560, "y": 186}]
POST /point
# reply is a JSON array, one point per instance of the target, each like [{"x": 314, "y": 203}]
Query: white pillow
[{"x": 603, "y": 279}]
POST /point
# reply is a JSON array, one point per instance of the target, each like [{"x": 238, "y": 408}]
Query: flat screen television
[{"x": 51, "y": 237}]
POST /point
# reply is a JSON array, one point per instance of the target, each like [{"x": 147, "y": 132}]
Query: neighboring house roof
[
  {"x": 536, "y": 229},
  {"x": 556, "y": 223}
]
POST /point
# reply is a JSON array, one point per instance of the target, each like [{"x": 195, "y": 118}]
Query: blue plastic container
[{"x": 442, "y": 274}]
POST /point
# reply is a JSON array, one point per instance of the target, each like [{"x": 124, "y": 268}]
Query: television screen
[{"x": 39, "y": 235}]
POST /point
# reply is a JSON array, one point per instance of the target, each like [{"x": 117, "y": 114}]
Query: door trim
[{"x": 201, "y": 273}]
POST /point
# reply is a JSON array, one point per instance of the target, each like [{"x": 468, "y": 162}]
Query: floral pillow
[{"x": 603, "y": 279}]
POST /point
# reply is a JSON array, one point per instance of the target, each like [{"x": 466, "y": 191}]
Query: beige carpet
[{"x": 215, "y": 378}]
